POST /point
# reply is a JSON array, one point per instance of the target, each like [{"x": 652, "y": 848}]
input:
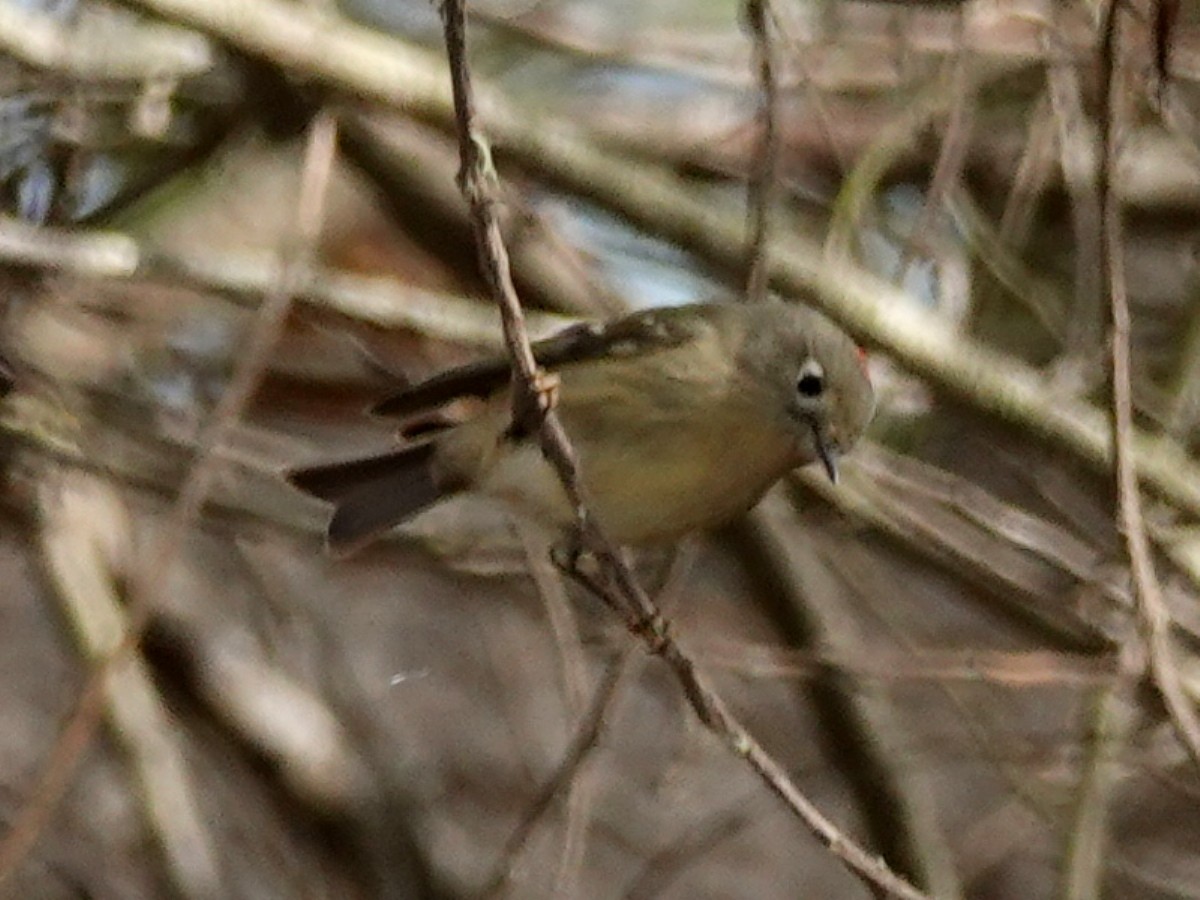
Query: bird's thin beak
[{"x": 828, "y": 455}]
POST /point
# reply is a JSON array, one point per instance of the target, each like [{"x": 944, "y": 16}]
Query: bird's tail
[{"x": 372, "y": 494}]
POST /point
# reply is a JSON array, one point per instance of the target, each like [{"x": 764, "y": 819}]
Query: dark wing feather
[
  {"x": 633, "y": 335},
  {"x": 480, "y": 379}
]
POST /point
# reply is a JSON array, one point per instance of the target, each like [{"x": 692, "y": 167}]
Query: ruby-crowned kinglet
[{"x": 681, "y": 417}]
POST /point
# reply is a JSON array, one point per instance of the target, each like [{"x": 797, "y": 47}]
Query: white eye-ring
[{"x": 811, "y": 381}]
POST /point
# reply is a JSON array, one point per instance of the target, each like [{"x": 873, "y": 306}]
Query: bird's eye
[{"x": 811, "y": 382}]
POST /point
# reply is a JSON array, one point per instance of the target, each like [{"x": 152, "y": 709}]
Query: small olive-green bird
[{"x": 681, "y": 418}]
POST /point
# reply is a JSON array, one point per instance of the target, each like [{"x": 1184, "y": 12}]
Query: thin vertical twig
[
  {"x": 1109, "y": 728},
  {"x": 149, "y": 580},
  {"x": 1154, "y": 619},
  {"x": 1163, "y": 30},
  {"x": 696, "y": 845},
  {"x": 586, "y": 739},
  {"x": 947, "y": 170},
  {"x": 582, "y": 744},
  {"x": 565, "y": 629},
  {"x": 883, "y": 765},
  {"x": 765, "y": 173},
  {"x": 801, "y": 49},
  {"x": 1032, "y": 176},
  {"x": 1076, "y": 159},
  {"x": 611, "y": 578}
]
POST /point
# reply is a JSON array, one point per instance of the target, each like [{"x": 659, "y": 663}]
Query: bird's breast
[{"x": 682, "y": 478}]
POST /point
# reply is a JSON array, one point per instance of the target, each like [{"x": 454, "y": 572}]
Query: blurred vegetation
[{"x": 943, "y": 650}]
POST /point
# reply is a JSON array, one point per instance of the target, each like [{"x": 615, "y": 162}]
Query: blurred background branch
[{"x": 942, "y": 650}]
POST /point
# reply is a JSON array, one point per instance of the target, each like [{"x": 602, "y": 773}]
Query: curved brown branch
[
  {"x": 613, "y": 581},
  {"x": 1153, "y": 617}
]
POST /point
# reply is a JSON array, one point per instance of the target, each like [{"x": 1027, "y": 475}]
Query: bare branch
[
  {"x": 1032, "y": 177},
  {"x": 1112, "y": 722},
  {"x": 763, "y": 185},
  {"x": 86, "y": 537},
  {"x": 149, "y": 579},
  {"x": 1154, "y": 618},
  {"x": 614, "y": 581},
  {"x": 575, "y": 758},
  {"x": 567, "y": 639},
  {"x": 947, "y": 171},
  {"x": 108, "y": 44},
  {"x": 805, "y": 581},
  {"x": 1076, "y": 159}
]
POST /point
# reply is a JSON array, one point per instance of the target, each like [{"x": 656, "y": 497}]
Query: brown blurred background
[{"x": 942, "y": 651}]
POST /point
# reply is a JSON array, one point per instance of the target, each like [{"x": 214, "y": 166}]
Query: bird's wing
[{"x": 634, "y": 335}]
